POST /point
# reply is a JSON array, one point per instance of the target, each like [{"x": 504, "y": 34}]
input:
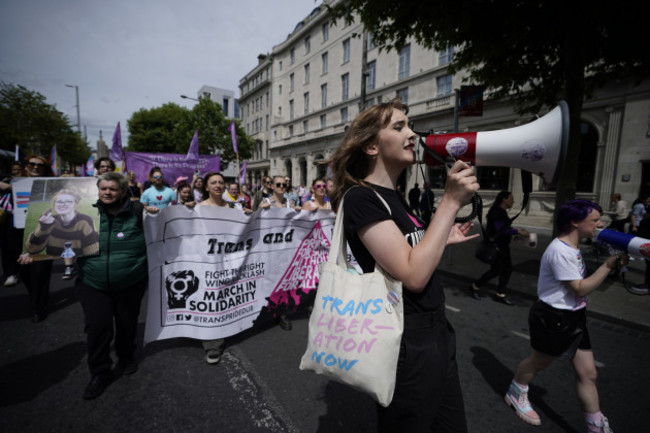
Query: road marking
[
  {"x": 521, "y": 334},
  {"x": 454, "y": 309},
  {"x": 258, "y": 399}
]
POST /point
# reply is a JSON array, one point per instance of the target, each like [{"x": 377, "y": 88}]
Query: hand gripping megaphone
[
  {"x": 538, "y": 147},
  {"x": 620, "y": 241}
]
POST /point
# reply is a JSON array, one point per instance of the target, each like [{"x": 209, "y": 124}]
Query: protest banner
[
  {"x": 172, "y": 165},
  {"x": 59, "y": 216},
  {"x": 214, "y": 272}
]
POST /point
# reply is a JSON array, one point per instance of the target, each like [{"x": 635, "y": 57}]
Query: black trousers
[
  {"x": 502, "y": 268},
  {"x": 10, "y": 246},
  {"x": 104, "y": 310},
  {"x": 36, "y": 277},
  {"x": 427, "y": 395}
]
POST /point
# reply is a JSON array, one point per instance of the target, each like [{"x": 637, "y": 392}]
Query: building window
[
  {"x": 290, "y": 130},
  {"x": 280, "y": 64},
  {"x": 279, "y": 111},
  {"x": 292, "y": 56},
  {"x": 403, "y": 94},
  {"x": 225, "y": 107},
  {"x": 346, "y": 51},
  {"x": 291, "y": 82},
  {"x": 267, "y": 99},
  {"x": 326, "y": 31},
  {"x": 324, "y": 59},
  {"x": 446, "y": 56},
  {"x": 372, "y": 74},
  {"x": 323, "y": 121},
  {"x": 291, "y": 110},
  {"x": 345, "y": 86},
  {"x": 267, "y": 122},
  {"x": 404, "y": 62},
  {"x": 371, "y": 41},
  {"x": 307, "y": 45},
  {"x": 305, "y": 126},
  {"x": 306, "y": 102},
  {"x": 344, "y": 114},
  {"x": 323, "y": 95},
  {"x": 307, "y": 73},
  {"x": 279, "y": 89},
  {"x": 444, "y": 85}
]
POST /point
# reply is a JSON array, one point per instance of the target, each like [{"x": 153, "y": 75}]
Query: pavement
[{"x": 610, "y": 302}]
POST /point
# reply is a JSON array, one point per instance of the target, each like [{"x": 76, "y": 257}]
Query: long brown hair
[{"x": 349, "y": 163}]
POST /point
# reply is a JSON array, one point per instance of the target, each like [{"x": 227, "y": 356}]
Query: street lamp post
[
  {"x": 187, "y": 97},
  {"x": 76, "y": 90}
]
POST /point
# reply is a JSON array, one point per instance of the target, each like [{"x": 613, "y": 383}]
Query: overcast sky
[{"x": 130, "y": 54}]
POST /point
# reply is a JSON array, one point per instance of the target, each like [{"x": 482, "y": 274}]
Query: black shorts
[{"x": 557, "y": 332}]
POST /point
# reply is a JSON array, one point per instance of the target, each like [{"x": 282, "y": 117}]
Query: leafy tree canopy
[
  {"x": 528, "y": 50},
  {"x": 28, "y": 121},
  {"x": 532, "y": 52},
  {"x": 170, "y": 128}
]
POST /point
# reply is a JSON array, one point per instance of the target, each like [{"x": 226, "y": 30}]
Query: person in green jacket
[{"x": 110, "y": 286}]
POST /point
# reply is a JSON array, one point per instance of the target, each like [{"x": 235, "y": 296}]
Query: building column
[
  {"x": 610, "y": 158},
  {"x": 311, "y": 169}
]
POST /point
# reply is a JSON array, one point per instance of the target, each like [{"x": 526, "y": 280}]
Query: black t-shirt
[{"x": 361, "y": 207}]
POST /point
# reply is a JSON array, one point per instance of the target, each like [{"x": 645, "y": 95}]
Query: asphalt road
[{"x": 258, "y": 387}]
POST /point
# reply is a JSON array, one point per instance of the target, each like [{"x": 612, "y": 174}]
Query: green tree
[
  {"x": 170, "y": 128},
  {"x": 158, "y": 130},
  {"x": 214, "y": 138},
  {"x": 532, "y": 52},
  {"x": 27, "y": 120}
]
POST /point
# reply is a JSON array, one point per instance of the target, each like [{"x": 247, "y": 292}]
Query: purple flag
[
  {"x": 193, "y": 152},
  {"x": 117, "y": 154},
  {"x": 233, "y": 135},
  {"x": 242, "y": 174}
]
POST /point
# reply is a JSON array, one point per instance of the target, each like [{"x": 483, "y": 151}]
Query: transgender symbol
[{"x": 180, "y": 285}]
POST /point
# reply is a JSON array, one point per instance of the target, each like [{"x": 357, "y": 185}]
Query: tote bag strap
[{"x": 338, "y": 246}]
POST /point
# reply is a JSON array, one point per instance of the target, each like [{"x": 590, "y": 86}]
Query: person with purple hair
[{"x": 557, "y": 320}]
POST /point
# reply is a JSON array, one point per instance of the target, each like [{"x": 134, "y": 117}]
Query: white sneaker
[
  {"x": 599, "y": 427},
  {"x": 638, "y": 290},
  {"x": 518, "y": 400},
  {"x": 11, "y": 280}
]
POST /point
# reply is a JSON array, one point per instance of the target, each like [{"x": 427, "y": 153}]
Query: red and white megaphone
[{"x": 538, "y": 147}]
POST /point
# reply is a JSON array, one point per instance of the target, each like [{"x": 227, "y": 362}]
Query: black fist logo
[{"x": 180, "y": 285}]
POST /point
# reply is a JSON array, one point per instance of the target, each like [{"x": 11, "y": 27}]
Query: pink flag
[
  {"x": 242, "y": 174},
  {"x": 117, "y": 154},
  {"x": 233, "y": 135},
  {"x": 193, "y": 152}
]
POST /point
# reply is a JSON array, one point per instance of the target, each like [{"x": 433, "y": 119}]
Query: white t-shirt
[{"x": 561, "y": 263}]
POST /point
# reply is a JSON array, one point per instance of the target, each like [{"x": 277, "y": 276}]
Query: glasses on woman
[
  {"x": 157, "y": 177},
  {"x": 36, "y": 164},
  {"x": 281, "y": 185},
  {"x": 320, "y": 186},
  {"x": 65, "y": 202}
]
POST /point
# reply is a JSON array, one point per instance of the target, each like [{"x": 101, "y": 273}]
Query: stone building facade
[{"x": 300, "y": 98}]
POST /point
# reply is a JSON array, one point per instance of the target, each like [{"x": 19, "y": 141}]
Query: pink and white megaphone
[
  {"x": 538, "y": 147},
  {"x": 632, "y": 245}
]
